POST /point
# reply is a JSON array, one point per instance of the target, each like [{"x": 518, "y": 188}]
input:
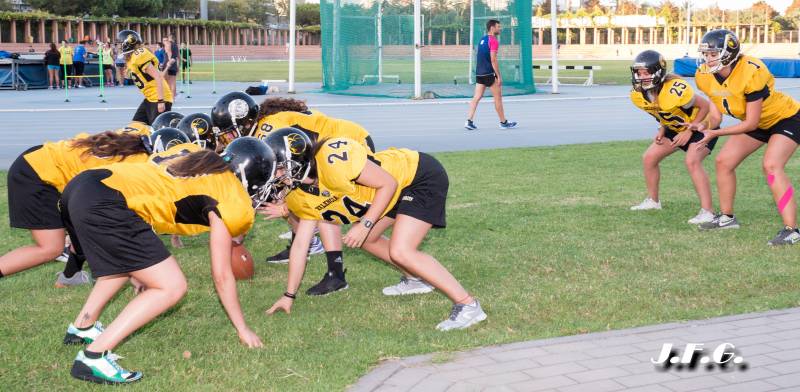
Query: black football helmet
[
  {"x": 129, "y": 39},
  {"x": 718, "y": 49},
  {"x": 164, "y": 138},
  {"x": 198, "y": 128},
  {"x": 234, "y": 115},
  {"x": 254, "y": 164},
  {"x": 293, "y": 150},
  {"x": 167, "y": 120},
  {"x": 656, "y": 66}
]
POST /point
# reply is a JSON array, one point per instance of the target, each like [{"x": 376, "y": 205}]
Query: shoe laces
[
  {"x": 455, "y": 311},
  {"x": 112, "y": 359}
]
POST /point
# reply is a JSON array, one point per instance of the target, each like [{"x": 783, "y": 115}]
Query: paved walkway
[{"x": 614, "y": 361}]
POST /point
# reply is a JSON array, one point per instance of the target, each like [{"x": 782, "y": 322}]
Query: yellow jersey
[
  {"x": 136, "y": 65},
  {"x": 338, "y": 198},
  {"x": 749, "y": 81},
  {"x": 66, "y": 55},
  {"x": 56, "y": 163},
  {"x": 673, "y": 106},
  {"x": 316, "y": 125},
  {"x": 180, "y": 205}
]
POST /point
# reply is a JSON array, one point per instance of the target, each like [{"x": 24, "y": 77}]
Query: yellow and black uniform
[
  {"x": 421, "y": 192},
  {"x": 38, "y": 176},
  {"x": 136, "y": 65},
  {"x": 316, "y": 125},
  {"x": 114, "y": 214},
  {"x": 672, "y": 106},
  {"x": 749, "y": 81}
]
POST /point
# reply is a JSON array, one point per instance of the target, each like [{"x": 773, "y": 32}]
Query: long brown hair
[
  {"x": 111, "y": 144},
  {"x": 315, "y": 147},
  {"x": 274, "y": 105},
  {"x": 198, "y": 163}
]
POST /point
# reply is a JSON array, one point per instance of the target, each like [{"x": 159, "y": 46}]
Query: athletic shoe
[
  {"x": 720, "y": 222},
  {"x": 103, "y": 370},
  {"x": 508, "y": 124},
  {"x": 470, "y": 126},
  {"x": 64, "y": 256},
  {"x": 463, "y": 316},
  {"x": 408, "y": 286},
  {"x": 787, "y": 236},
  {"x": 703, "y": 216},
  {"x": 79, "y": 336},
  {"x": 80, "y": 278},
  {"x": 281, "y": 257},
  {"x": 316, "y": 246},
  {"x": 330, "y": 283},
  {"x": 647, "y": 204},
  {"x": 286, "y": 236},
  {"x": 81, "y": 86}
]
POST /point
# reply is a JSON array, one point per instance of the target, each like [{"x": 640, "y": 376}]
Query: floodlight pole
[
  {"x": 688, "y": 26},
  {"x": 292, "y": 39},
  {"x": 471, "y": 39},
  {"x": 417, "y": 50},
  {"x": 554, "y": 47}
]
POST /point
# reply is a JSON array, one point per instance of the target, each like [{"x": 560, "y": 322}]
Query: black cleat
[
  {"x": 281, "y": 258},
  {"x": 330, "y": 283}
]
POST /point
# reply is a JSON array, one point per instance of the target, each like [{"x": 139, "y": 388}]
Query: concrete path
[{"x": 769, "y": 344}]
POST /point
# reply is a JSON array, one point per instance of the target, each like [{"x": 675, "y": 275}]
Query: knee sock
[
  {"x": 335, "y": 263},
  {"x": 74, "y": 265}
]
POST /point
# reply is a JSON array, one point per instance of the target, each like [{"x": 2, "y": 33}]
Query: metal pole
[
  {"x": 688, "y": 26},
  {"x": 471, "y": 40},
  {"x": 417, "y": 49},
  {"x": 380, "y": 41},
  {"x": 213, "y": 71},
  {"x": 187, "y": 76},
  {"x": 554, "y": 47},
  {"x": 66, "y": 84},
  {"x": 292, "y": 39},
  {"x": 101, "y": 71}
]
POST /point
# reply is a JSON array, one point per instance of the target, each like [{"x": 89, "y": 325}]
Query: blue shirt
[
  {"x": 486, "y": 46},
  {"x": 161, "y": 55},
  {"x": 79, "y": 54}
]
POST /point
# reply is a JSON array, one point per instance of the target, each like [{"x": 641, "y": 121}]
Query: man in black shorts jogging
[{"x": 487, "y": 74}]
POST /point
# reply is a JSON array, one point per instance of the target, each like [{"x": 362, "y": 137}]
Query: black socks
[
  {"x": 335, "y": 263},
  {"x": 74, "y": 265}
]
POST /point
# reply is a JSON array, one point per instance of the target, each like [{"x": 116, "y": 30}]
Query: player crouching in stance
[
  {"x": 113, "y": 215},
  {"x": 407, "y": 190},
  {"x": 742, "y": 87},
  {"x": 681, "y": 115},
  {"x": 37, "y": 178}
]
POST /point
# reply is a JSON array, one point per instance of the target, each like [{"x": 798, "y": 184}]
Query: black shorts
[
  {"x": 425, "y": 197},
  {"x": 77, "y": 68},
  {"x": 32, "y": 203},
  {"x": 696, "y": 137},
  {"x": 69, "y": 69},
  {"x": 173, "y": 69},
  {"x": 486, "y": 80},
  {"x": 789, "y": 127},
  {"x": 106, "y": 67},
  {"x": 112, "y": 237},
  {"x": 148, "y": 111}
]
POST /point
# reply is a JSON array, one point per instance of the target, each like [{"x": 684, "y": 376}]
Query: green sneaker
[
  {"x": 103, "y": 370},
  {"x": 80, "y": 336}
]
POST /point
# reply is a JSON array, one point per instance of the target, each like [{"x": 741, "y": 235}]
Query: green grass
[
  {"x": 543, "y": 236},
  {"x": 433, "y": 71}
]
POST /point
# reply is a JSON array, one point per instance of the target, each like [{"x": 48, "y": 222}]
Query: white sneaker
[
  {"x": 83, "y": 336},
  {"x": 286, "y": 236},
  {"x": 103, "y": 370},
  {"x": 702, "y": 217},
  {"x": 463, "y": 316},
  {"x": 408, "y": 286},
  {"x": 316, "y": 246},
  {"x": 647, "y": 204},
  {"x": 64, "y": 256}
]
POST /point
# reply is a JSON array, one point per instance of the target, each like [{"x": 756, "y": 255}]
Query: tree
[
  {"x": 308, "y": 14},
  {"x": 627, "y": 7},
  {"x": 793, "y": 8}
]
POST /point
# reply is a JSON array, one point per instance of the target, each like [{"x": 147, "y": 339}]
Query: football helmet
[
  {"x": 293, "y": 151},
  {"x": 164, "y": 138},
  {"x": 167, "y": 120},
  {"x": 254, "y": 164},
  {"x": 718, "y": 49},
  {"x": 656, "y": 66},
  {"x": 129, "y": 39},
  {"x": 197, "y": 126},
  {"x": 234, "y": 115}
]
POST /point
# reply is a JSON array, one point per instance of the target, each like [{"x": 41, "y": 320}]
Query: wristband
[{"x": 290, "y": 295}]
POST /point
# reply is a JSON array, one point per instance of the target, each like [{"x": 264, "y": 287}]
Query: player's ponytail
[
  {"x": 312, "y": 165},
  {"x": 274, "y": 105},
  {"x": 198, "y": 163},
  {"x": 111, "y": 144}
]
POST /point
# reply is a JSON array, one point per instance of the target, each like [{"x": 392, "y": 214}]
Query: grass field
[
  {"x": 613, "y": 72},
  {"x": 543, "y": 236}
]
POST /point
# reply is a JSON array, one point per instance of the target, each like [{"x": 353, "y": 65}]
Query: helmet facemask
[
  {"x": 712, "y": 60},
  {"x": 654, "y": 78}
]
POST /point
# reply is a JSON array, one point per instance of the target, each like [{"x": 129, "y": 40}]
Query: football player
[
  {"x": 37, "y": 178},
  {"x": 143, "y": 68},
  {"x": 681, "y": 115},
  {"x": 397, "y": 188},
  {"x": 113, "y": 215},
  {"x": 233, "y": 116},
  {"x": 742, "y": 87}
]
